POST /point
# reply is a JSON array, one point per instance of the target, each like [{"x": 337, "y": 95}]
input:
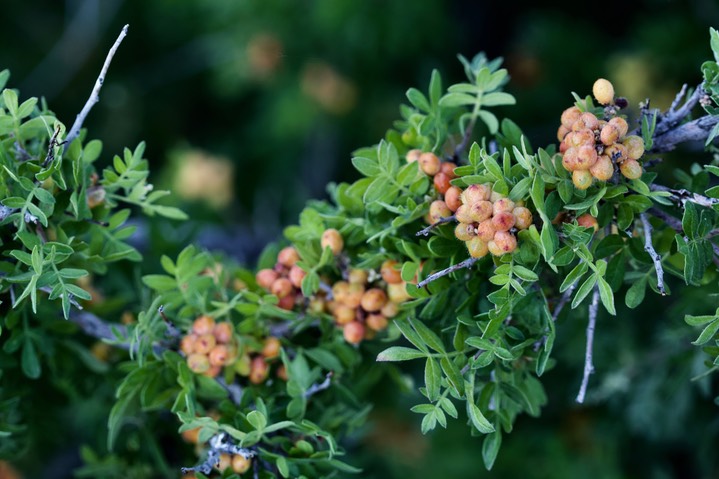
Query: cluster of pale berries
[{"x": 592, "y": 147}]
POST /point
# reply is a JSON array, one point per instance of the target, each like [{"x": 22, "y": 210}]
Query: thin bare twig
[
  {"x": 441, "y": 221},
  {"x": 563, "y": 301},
  {"x": 656, "y": 258},
  {"x": 317, "y": 387},
  {"x": 678, "y": 98},
  {"x": 95, "y": 95},
  {"x": 467, "y": 263},
  {"x": 588, "y": 365}
]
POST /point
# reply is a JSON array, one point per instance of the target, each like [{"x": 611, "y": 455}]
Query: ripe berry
[
  {"x": 271, "y": 348},
  {"x": 198, "y": 363},
  {"x": 296, "y": 276},
  {"x": 562, "y": 132},
  {"x": 390, "y": 309},
  {"x": 213, "y": 371},
  {"x": 631, "y": 169},
  {"x": 413, "y": 155},
  {"x": 475, "y": 193},
  {"x": 354, "y": 295},
  {"x": 581, "y": 138},
  {"x": 635, "y": 147},
  {"x": 503, "y": 221},
  {"x": 224, "y": 462},
  {"x": 187, "y": 344},
  {"x": 191, "y": 435},
  {"x": 288, "y": 256},
  {"x": 582, "y": 179},
  {"x": 441, "y": 182},
  {"x": 344, "y": 314},
  {"x": 609, "y": 134},
  {"x": 569, "y": 116},
  {"x": 373, "y": 300},
  {"x": 486, "y": 230},
  {"x": 603, "y": 169},
  {"x": 281, "y": 287},
  {"x": 390, "y": 273},
  {"x": 332, "y": 238},
  {"x": 586, "y": 157},
  {"x": 282, "y": 373},
  {"x": 354, "y": 332},
  {"x": 205, "y": 343},
  {"x": 617, "y": 152},
  {"x": 505, "y": 241},
  {"x": 429, "y": 163},
  {"x": 620, "y": 124},
  {"x": 340, "y": 291},
  {"x": 438, "y": 210},
  {"x": 265, "y": 278},
  {"x": 447, "y": 168},
  {"x": 463, "y": 214},
  {"x": 358, "y": 276},
  {"x": 523, "y": 217},
  {"x": 603, "y": 91},
  {"x": 570, "y": 159},
  {"x": 203, "y": 325},
  {"x": 503, "y": 205},
  {"x": 588, "y": 221},
  {"x": 223, "y": 332},
  {"x": 452, "y": 198},
  {"x": 464, "y": 231},
  {"x": 258, "y": 370},
  {"x": 481, "y": 211},
  {"x": 376, "y": 322},
  {"x": 241, "y": 465},
  {"x": 477, "y": 248},
  {"x": 397, "y": 293},
  {"x": 287, "y": 302},
  {"x": 586, "y": 120}
]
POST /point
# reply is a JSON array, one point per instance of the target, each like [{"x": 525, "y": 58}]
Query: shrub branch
[
  {"x": 588, "y": 365},
  {"x": 656, "y": 258},
  {"x": 467, "y": 263}
]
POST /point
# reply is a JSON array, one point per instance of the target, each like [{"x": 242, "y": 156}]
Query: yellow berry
[
  {"x": 429, "y": 163},
  {"x": 390, "y": 273},
  {"x": 631, "y": 169},
  {"x": 477, "y": 248},
  {"x": 523, "y": 217},
  {"x": 240, "y": 465},
  {"x": 569, "y": 116},
  {"x": 333, "y": 239},
  {"x": 288, "y": 256},
  {"x": 603, "y": 91},
  {"x": 603, "y": 169},
  {"x": 635, "y": 147},
  {"x": 582, "y": 179}
]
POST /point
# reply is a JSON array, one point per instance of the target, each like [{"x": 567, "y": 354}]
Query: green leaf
[
  {"x": 366, "y": 166},
  {"x": 257, "y": 420},
  {"x": 432, "y": 379},
  {"x": 584, "y": 290},
  {"x": 498, "y": 98},
  {"x": 635, "y": 293},
  {"x": 708, "y": 333},
  {"x": 399, "y": 353},
  {"x": 30, "y": 362},
  {"x": 478, "y": 419},
  {"x": 428, "y": 336},
  {"x": 607, "y": 296}
]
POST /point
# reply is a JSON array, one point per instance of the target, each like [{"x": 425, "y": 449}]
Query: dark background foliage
[{"x": 265, "y": 102}]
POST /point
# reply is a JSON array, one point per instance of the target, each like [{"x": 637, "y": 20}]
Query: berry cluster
[
  {"x": 593, "y": 148},
  {"x": 362, "y": 309},
  {"x": 442, "y": 172},
  {"x": 209, "y": 347},
  {"x": 489, "y": 220},
  {"x": 237, "y": 462},
  {"x": 285, "y": 279}
]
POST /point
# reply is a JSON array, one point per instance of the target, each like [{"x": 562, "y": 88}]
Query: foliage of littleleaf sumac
[{"x": 458, "y": 247}]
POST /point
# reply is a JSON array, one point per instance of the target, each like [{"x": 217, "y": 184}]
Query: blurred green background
[{"x": 249, "y": 108}]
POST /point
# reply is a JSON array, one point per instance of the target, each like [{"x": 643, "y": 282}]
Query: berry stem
[
  {"x": 656, "y": 258},
  {"x": 588, "y": 366},
  {"x": 425, "y": 231}
]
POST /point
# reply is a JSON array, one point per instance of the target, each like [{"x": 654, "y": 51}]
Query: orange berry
[
  {"x": 258, "y": 370},
  {"x": 620, "y": 124},
  {"x": 569, "y": 116},
  {"x": 413, "y": 155},
  {"x": 631, "y": 169},
  {"x": 617, "y": 152},
  {"x": 271, "y": 347},
  {"x": 376, "y": 322},
  {"x": 344, "y": 314},
  {"x": 191, "y": 435},
  {"x": 562, "y": 132},
  {"x": 588, "y": 221},
  {"x": 205, "y": 343},
  {"x": 358, "y": 276},
  {"x": 452, "y": 198},
  {"x": 505, "y": 241},
  {"x": 397, "y": 293},
  {"x": 609, "y": 134},
  {"x": 287, "y": 302},
  {"x": 475, "y": 193},
  {"x": 635, "y": 147},
  {"x": 581, "y": 138},
  {"x": 481, "y": 211},
  {"x": 296, "y": 276},
  {"x": 464, "y": 231},
  {"x": 265, "y": 278},
  {"x": 429, "y": 163},
  {"x": 340, "y": 291},
  {"x": 523, "y": 217},
  {"x": 438, "y": 210},
  {"x": 463, "y": 214},
  {"x": 373, "y": 300},
  {"x": 390, "y": 273},
  {"x": 219, "y": 355},
  {"x": 503, "y": 221},
  {"x": 213, "y": 371},
  {"x": 586, "y": 120},
  {"x": 354, "y": 332},
  {"x": 282, "y": 373},
  {"x": 223, "y": 332},
  {"x": 281, "y": 287},
  {"x": 570, "y": 159},
  {"x": 447, "y": 167},
  {"x": 502, "y": 205},
  {"x": 224, "y": 462},
  {"x": 333, "y": 239},
  {"x": 198, "y": 363},
  {"x": 288, "y": 256},
  {"x": 203, "y": 325},
  {"x": 441, "y": 182},
  {"x": 354, "y": 295},
  {"x": 187, "y": 344},
  {"x": 477, "y": 248},
  {"x": 586, "y": 156},
  {"x": 240, "y": 465},
  {"x": 390, "y": 309},
  {"x": 603, "y": 169},
  {"x": 486, "y": 230},
  {"x": 582, "y": 179},
  {"x": 603, "y": 91}
]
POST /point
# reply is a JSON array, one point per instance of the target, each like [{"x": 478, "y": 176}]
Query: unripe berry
[
  {"x": 523, "y": 217},
  {"x": 603, "y": 91},
  {"x": 223, "y": 332},
  {"x": 354, "y": 295},
  {"x": 224, "y": 462},
  {"x": 287, "y": 302},
  {"x": 358, "y": 276},
  {"x": 631, "y": 169},
  {"x": 344, "y": 314},
  {"x": 390, "y": 273},
  {"x": 477, "y": 248},
  {"x": 447, "y": 168},
  {"x": 588, "y": 221},
  {"x": 569, "y": 116},
  {"x": 586, "y": 157},
  {"x": 265, "y": 278},
  {"x": 609, "y": 134},
  {"x": 243, "y": 365},
  {"x": 413, "y": 155},
  {"x": 241, "y": 465},
  {"x": 582, "y": 179},
  {"x": 562, "y": 132},
  {"x": 635, "y": 147},
  {"x": 617, "y": 152},
  {"x": 198, "y": 363},
  {"x": 464, "y": 231},
  {"x": 438, "y": 210},
  {"x": 475, "y": 193},
  {"x": 390, "y": 309},
  {"x": 258, "y": 370},
  {"x": 187, "y": 344},
  {"x": 581, "y": 138},
  {"x": 373, "y": 300},
  {"x": 296, "y": 276},
  {"x": 354, "y": 332},
  {"x": 397, "y": 293},
  {"x": 205, "y": 343},
  {"x": 452, "y": 198},
  {"x": 481, "y": 211},
  {"x": 441, "y": 182},
  {"x": 317, "y": 305},
  {"x": 429, "y": 163},
  {"x": 271, "y": 348},
  {"x": 340, "y": 291},
  {"x": 288, "y": 256},
  {"x": 464, "y": 214},
  {"x": 333, "y": 239},
  {"x": 376, "y": 322},
  {"x": 620, "y": 124},
  {"x": 603, "y": 169},
  {"x": 505, "y": 241},
  {"x": 586, "y": 120},
  {"x": 496, "y": 196},
  {"x": 219, "y": 355},
  {"x": 503, "y": 221},
  {"x": 281, "y": 287},
  {"x": 203, "y": 325},
  {"x": 485, "y": 231}
]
